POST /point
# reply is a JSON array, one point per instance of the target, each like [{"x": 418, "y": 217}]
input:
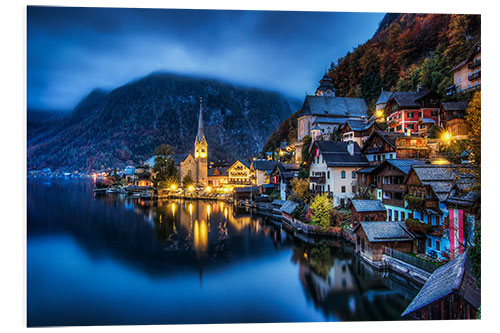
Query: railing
[
  {"x": 474, "y": 76},
  {"x": 478, "y": 87},
  {"x": 474, "y": 64},
  {"x": 414, "y": 261},
  {"x": 393, "y": 187},
  {"x": 317, "y": 179},
  {"x": 393, "y": 202}
]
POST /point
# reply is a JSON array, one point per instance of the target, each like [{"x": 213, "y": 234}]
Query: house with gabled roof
[
  {"x": 281, "y": 177},
  {"x": 332, "y": 169},
  {"x": 428, "y": 189},
  {"x": 239, "y": 173},
  {"x": 358, "y": 130},
  {"x": 450, "y": 292},
  {"x": 404, "y": 110},
  {"x": 382, "y": 146},
  {"x": 381, "y": 102},
  {"x": 467, "y": 74},
  {"x": 372, "y": 237},
  {"x": 261, "y": 170},
  {"x": 366, "y": 210},
  {"x": 453, "y": 118}
]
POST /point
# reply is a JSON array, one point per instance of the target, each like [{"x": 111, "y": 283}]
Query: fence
[{"x": 417, "y": 262}]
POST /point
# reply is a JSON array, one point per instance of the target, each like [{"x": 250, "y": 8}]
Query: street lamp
[{"x": 446, "y": 137}]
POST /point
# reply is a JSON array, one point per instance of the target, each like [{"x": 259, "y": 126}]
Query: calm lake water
[{"x": 109, "y": 260}]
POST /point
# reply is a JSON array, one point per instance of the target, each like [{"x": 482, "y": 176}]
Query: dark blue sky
[{"x": 74, "y": 50}]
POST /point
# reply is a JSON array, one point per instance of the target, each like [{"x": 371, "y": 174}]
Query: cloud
[{"x": 74, "y": 50}]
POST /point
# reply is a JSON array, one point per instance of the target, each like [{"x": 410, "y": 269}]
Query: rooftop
[
  {"x": 334, "y": 106},
  {"x": 335, "y": 153},
  {"x": 386, "y": 231},
  {"x": 368, "y": 205},
  {"x": 444, "y": 281},
  {"x": 455, "y": 106}
]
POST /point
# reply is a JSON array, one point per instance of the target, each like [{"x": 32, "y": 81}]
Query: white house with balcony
[{"x": 332, "y": 169}]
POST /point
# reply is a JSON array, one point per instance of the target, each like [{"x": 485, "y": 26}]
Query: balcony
[
  {"x": 394, "y": 202},
  {"x": 474, "y": 64},
  {"x": 473, "y": 88},
  {"x": 393, "y": 187},
  {"x": 317, "y": 179},
  {"x": 474, "y": 76}
]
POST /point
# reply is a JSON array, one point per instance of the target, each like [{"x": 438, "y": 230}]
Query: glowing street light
[
  {"x": 190, "y": 188},
  {"x": 446, "y": 137},
  {"x": 173, "y": 186}
]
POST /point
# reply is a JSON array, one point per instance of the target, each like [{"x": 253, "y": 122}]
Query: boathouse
[
  {"x": 449, "y": 293},
  {"x": 372, "y": 237},
  {"x": 367, "y": 210}
]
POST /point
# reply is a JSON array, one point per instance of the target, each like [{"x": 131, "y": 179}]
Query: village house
[
  {"x": 358, "y": 130},
  {"x": 382, "y": 146},
  {"x": 428, "y": 188},
  {"x": 467, "y": 74},
  {"x": 390, "y": 177},
  {"x": 372, "y": 237},
  {"x": 261, "y": 170},
  {"x": 449, "y": 293},
  {"x": 366, "y": 210},
  {"x": 463, "y": 204},
  {"x": 218, "y": 177},
  {"x": 453, "y": 119},
  {"x": 143, "y": 176},
  {"x": 239, "y": 174},
  {"x": 332, "y": 169},
  {"x": 324, "y": 112},
  {"x": 405, "y": 109},
  {"x": 281, "y": 177}
]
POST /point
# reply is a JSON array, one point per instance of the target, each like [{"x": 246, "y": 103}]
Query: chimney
[{"x": 350, "y": 147}]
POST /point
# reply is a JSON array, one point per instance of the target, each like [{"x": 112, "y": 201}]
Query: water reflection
[{"x": 222, "y": 247}]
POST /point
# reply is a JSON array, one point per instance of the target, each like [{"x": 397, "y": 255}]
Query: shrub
[
  {"x": 418, "y": 227},
  {"x": 321, "y": 208}
]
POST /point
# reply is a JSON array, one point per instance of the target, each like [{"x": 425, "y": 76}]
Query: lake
[{"x": 112, "y": 260}]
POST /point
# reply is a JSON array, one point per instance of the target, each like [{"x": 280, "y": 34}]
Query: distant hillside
[
  {"x": 123, "y": 126},
  {"x": 407, "y": 50}
]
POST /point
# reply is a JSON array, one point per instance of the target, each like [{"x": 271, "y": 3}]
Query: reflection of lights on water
[
  {"x": 173, "y": 209},
  {"x": 225, "y": 213},
  {"x": 208, "y": 210},
  {"x": 221, "y": 206},
  {"x": 190, "y": 207},
  {"x": 200, "y": 236},
  {"x": 352, "y": 304}
]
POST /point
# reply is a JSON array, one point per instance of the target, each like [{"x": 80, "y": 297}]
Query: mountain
[
  {"x": 125, "y": 125},
  {"x": 407, "y": 50}
]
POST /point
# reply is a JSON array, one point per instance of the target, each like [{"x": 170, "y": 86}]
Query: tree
[
  {"x": 473, "y": 117},
  {"x": 300, "y": 188},
  {"x": 164, "y": 164},
  {"x": 187, "y": 181},
  {"x": 321, "y": 208}
]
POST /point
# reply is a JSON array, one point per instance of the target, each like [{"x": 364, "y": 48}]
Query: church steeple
[
  {"x": 200, "y": 136},
  {"x": 326, "y": 87}
]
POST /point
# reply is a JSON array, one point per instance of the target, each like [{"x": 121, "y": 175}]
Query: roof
[
  {"x": 289, "y": 206},
  {"x": 427, "y": 120},
  {"x": 386, "y": 231},
  {"x": 455, "y": 106},
  {"x": 471, "y": 55},
  {"x": 407, "y": 98},
  {"x": 444, "y": 281},
  {"x": 367, "y": 169},
  {"x": 404, "y": 165},
  {"x": 439, "y": 177},
  {"x": 278, "y": 202},
  {"x": 221, "y": 170},
  {"x": 461, "y": 193},
  {"x": 334, "y": 106},
  {"x": 368, "y": 205},
  {"x": 384, "y": 97},
  {"x": 389, "y": 137},
  {"x": 264, "y": 165},
  {"x": 178, "y": 158},
  {"x": 359, "y": 125},
  {"x": 335, "y": 153}
]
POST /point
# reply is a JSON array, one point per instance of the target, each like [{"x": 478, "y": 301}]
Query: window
[
  {"x": 429, "y": 242},
  {"x": 354, "y": 174},
  {"x": 459, "y": 79},
  {"x": 410, "y": 126},
  {"x": 410, "y": 114},
  {"x": 328, "y": 187},
  {"x": 390, "y": 214},
  {"x": 438, "y": 245},
  {"x": 328, "y": 175},
  {"x": 342, "y": 174},
  {"x": 342, "y": 189}
]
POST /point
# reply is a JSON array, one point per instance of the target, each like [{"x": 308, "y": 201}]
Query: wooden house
[
  {"x": 358, "y": 130},
  {"x": 281, "y": 177},
  {"x": 453, "y": 118},
  {"x": 389, "y": 177},
  {"x": 367, "y": 210},
  {"x": 217, "y": 177},
  {"x": 449, "y": 293},
  {"x": 239, "y": 174},
  {"x": 372, "y": 237},
  {"x": 261, "y": 170},
  {"x": 382, "y": 146}
]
